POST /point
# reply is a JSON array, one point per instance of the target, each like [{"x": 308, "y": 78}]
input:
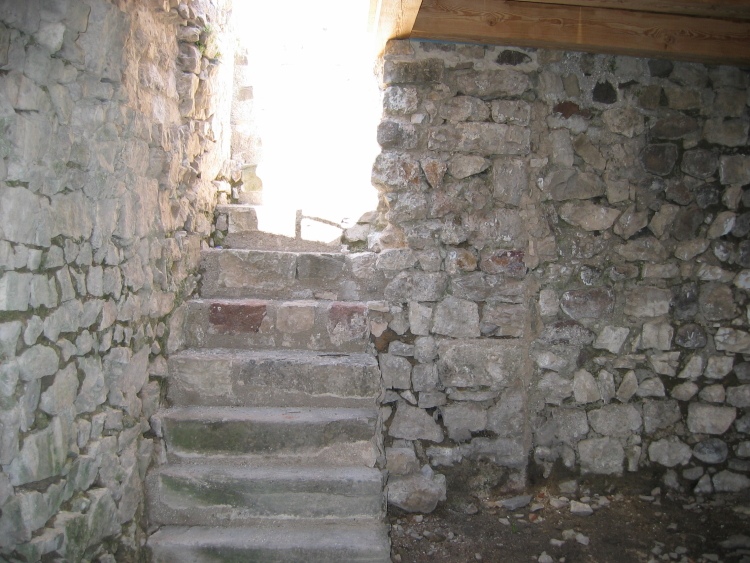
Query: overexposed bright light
[{"x": 317, "y": 105}]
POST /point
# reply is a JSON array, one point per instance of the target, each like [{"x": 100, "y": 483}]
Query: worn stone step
[
  {"x": 279, "y": 542},
  {"x": 264, "y": 323},
  {"x": 214, "y": 494},
  {"x": 311, "y": 436},
  {"x": 240, "y": 218},
  {"x": 237, "y": 273},
  {"x": 267, "y": 378}
]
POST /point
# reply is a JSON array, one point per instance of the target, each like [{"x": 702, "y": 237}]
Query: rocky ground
[{"x": 632, "y": 519}]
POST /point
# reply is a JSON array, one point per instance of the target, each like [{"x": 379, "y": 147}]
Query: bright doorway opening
[{"x": 316, "y": 106}]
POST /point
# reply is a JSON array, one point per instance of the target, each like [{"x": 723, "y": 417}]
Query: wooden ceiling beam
[
  {"x": 392, "y": 19},
  {"x": 721, "y": 9},
  {"x": 583, "y": 28}
]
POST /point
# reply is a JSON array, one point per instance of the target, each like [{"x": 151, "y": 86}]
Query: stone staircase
[{"x": 273, "y": 431}]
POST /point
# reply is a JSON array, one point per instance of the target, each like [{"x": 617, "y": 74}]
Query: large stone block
[
  {"x": 615, "y": 420},
  {"x": 480, "y": 138},
  {"x": 458, "y": 318},
  {"x": 471, "y": 363},
  {"x": 601, "y": 455},
  {"x": 710, "y": 419},
  {"x": 647, "y": 301},
  {"x": 406, "y": 72},
  {"x": 412, "y": 423},
  {"x": 593, "y": 303},
  {"x": 493, "y": 84}
]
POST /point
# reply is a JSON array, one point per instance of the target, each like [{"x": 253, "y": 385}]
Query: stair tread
[
  {"x": 276, "y": 473},
  {"x": 294, "y": 415},
  {"x": 297, "y": 540},
  {"x": 317, "y": 357}
]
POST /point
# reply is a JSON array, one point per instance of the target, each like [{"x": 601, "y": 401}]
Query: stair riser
[
  {"x": 217, "y": 381},
  {"x": 238, "y": 437},
  {"x": 182, "y": 500},
  {"x": 254, "y": 324},
  {"x": 287, "y": 275},
  {"x": 217, "y": 553}
]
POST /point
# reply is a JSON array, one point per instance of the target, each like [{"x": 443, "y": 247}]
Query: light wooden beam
[
  {"x": 722, "y": 9},
  {"x": 392, "y": 19},
  {"x": 585, "y": 28}
]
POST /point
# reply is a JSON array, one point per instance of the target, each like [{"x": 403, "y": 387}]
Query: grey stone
[
  {"x": 657, "y": 335},
  {"x": 462, "y": 165},
  {"x": 664, "y": 363},
  {"x": 37, "y": 361},
  {"x": 481, "y": 138},
  {"x": 9, "y": 334},
  {"x": 647, "y": 301},
  {"x": 730, "y": 482},
  {"x": 588, "y": 216},
  {"x": 15, "y": 291},
  {"x": 471, "y": 363},
  {"x": 735, "y": 169},
  {"x": 510, "y": 180},
  {"x": 585, "y": 389},
  {"x": 711, "y": 450},
  {"x": 42, "y": 454},
  {"x": 515, "y": 503},
  {"x": 691, "y": 336},
  {"x": 424, "y": 377},
  {"x": 669, "y": 452},
  {"x": 571, "y": 425},
  {"x": 625, "y": 121},
  {"x": 643, "y": 249},
  {"x": 493, "y": 84},
  {"x": 401, "y": 100},
  {"x": 579, "y": 509},
  {"x": 416, "y": 493},
  {"x": 396, "y": 371},
  {"x": 566, "y": 184},
  {"x": 739, "y": 396},
  {"x": 401, "y": 461},
  {"x": 464, "y": 108},
  {"x": 718, "y": 367},
  {"x": 659, "y": 158},
  {"x": 615, "y": 420},
  {"x": 593, "y": 303},
  {"x": 417, "y": 286},
  {"x": 555, "y": 388},
  {"x": 515, "y": 112},
  {"x": 628, "y": 387},
  {"x": 663, "y": 219},
  {"x": 658, "y": 415},
  {"x": 606, "y": 383},
  {"x": 412, "y": 423},
  {"x": 710, "y": 419},
  {"x": 651, "y": 387},
  {"x": 395, "y": 135},
  {"x": 689, "y": 249},
  {"x": 59, "y": 396},
  {"x": 611, "y": 338},
  {"x": 693, "y": 368},
  {"x": 713, "y": 394},
  {"x": 630, "y": 222},
  {"x": 684, "y": 391},
  {"x": 727, "y": 132},
  {"x": 732, "y": 340},
  {"x": 601, "y": 456},
  {"x": 463, "y": 419},
  {"x": 456, "y": 318}
]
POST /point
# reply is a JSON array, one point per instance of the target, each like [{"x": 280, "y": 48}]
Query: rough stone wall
[
  {"x": 567, "y": 239},
  {"x": 110, "y": 137}
]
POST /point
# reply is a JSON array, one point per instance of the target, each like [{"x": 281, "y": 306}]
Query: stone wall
[
  {"x": 112, "y": 130},
  {"x": 566, "y": 235}
]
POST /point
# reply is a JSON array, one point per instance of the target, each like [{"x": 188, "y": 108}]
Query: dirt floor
[{"x": 634, "y": 519}]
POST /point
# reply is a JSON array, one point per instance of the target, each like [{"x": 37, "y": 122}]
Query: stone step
[
  {"x": 263, "y": 436},
  {"x": 240, "y": 218},
  {"x": 287, "y": 542},
  {"x": 237, "y": 273},
  {"x": 264, "y": 323},
  {"x": 216, "y": 495},
  {"x": 267, "y": 378}
]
